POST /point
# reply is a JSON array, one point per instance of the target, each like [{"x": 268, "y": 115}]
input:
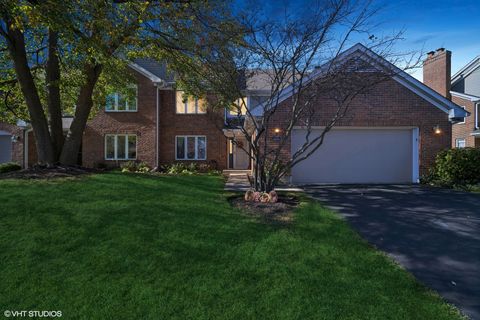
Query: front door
[{"x": 241, "y": 159}]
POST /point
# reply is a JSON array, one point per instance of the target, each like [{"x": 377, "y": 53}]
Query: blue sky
[{"x": 428, "y": 25}]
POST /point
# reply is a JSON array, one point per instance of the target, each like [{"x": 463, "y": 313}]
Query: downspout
[{"x": 157, "y": 128}]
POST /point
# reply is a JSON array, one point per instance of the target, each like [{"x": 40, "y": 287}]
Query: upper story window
[
  {"x": 124, "y": 101},
  {"x": 239, "y": 107},
  {"x": 189, "y": 105}
]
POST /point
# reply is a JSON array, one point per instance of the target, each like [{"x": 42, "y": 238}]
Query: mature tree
[
  {"x": 60, "y": 57},
  {"x": 286, "y": 53}
]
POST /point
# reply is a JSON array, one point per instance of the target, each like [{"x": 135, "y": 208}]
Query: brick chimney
[{"x": 437, "y": 71}]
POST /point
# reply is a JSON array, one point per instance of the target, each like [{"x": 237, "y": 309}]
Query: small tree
[{"x": 285, "y": 53}]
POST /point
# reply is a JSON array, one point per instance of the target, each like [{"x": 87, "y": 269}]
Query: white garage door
[
  {"x": 359, "y": 156},
  {"x": 5, "y": 147}
]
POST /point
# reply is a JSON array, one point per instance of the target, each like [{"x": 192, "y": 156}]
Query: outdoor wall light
[
  {"x": 437, "y": 129},
  {"x": 277, "y": 130},
  {"x": 14, "y": 138}
]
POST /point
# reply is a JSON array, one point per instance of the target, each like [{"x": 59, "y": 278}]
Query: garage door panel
[{"x": 357, "y": 156}]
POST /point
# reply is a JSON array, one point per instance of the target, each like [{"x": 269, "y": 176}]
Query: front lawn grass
[{"x": 126, "y": 246}]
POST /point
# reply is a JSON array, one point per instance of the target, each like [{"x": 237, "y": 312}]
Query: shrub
[
  {"x": 189, "y": 169},
  {"x": 132, "y": 166},
  {"x": 9, "y": 166},
  {"x": 129, "y": 166},
  {"x": 456, "y": 167}
]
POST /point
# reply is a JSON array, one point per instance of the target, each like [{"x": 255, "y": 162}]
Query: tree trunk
[
  {"x": 16, "y": 47},
  {"x": 54, "y": 101},
  {"x": 84, "y": 104}
]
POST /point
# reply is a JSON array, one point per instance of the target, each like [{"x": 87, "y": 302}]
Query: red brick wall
[
  {"x": 141, "y": 123},
  {"x": 463, "y": 130},
  {"x": 17, "y": 147},
  {"x": 389, "y": 104},
  {"x": 173, "y": 124}
]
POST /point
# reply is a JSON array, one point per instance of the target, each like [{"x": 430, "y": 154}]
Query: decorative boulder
[
  {"x": 265, "y": 197},
  {"x": 273, "y": 196},
  {"x": 256, "y": 196},
  {"x": 249, "y": 195}
]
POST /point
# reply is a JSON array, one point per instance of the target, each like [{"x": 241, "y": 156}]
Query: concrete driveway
[{"x": 434, "y": 233}]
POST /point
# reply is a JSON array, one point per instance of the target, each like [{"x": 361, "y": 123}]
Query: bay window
[
  {"x": 191, "y": 148},
  {"x": 120, "y": 147}
]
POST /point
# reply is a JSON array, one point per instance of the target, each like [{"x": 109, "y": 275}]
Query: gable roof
[
  {"x": 402, "y": 77},
  {"x": 156, "y": 71},
  {"x": 466, "y": 70}
]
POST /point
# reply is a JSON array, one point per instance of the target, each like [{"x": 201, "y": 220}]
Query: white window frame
[
  {"x": 186, "y": 147},
  {"x": 116, "y": 95},
  {"x": 457, "y": 143},
  {"x": 115, "y": 151},
  {"x": 185, "y": 106},
  {"x": 477, "y": 116},
  {"x": 464, "y": 118}
]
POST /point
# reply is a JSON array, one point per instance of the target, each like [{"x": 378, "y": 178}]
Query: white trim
[
  {"x": 115, "y": 149},
  {"x": 157, "y": 126},
  {"x": 466, "y": 70},
  {"x": 146, "y": 73},
  {"x": 465, "y": 96},
  {"x": 415, "y": 156},
  {"x": 185, "y": 106},
  {"x": 476, "y": 125},
  {"x": 464, "y": 118},
  {"x": 357, "y": 127},
  {"x": 117, "y": 94},
  {"x": 401, "y": 77},
  {"x": 5, "y": 133},
  {"x": 185, "y": 147},
  {"x": 458, "y": 140}
]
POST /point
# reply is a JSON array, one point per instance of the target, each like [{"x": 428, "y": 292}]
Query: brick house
[
  {"x": 390, "y": 135},
  {"x": 465, "y": 91}
]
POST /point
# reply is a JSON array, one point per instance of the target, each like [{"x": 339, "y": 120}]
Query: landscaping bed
[
  {"x": 280, "y": 211},
  {"x": 43, "y": 172}
]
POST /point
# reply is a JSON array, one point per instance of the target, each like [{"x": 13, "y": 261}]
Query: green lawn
[{"x": 121, "y": 246}]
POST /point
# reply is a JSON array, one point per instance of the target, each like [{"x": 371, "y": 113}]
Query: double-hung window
[
  {"x": 124, "y": 101},
  {"x": 189, "y": 105},
  {"x": 120, "y": 147},
  {"x": 460, "y": 143},
  {"x": 463, "y": 121},
  {"x": 191, "y": 148}
]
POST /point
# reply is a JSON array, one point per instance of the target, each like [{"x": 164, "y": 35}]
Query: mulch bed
[
  {"x": 279, "y": 212},
  {"x": 42, "y": 172}
]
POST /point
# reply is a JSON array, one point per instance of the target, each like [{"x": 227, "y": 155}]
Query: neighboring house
[
  {"x": 390, "y": 135},
  {"x": 465, "y": 91}
]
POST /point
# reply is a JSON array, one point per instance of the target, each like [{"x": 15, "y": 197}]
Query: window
[
  {"x": 120, "y": 147},
  {"x": 189, "y": 105},
  {"x": 239, "y": 107},
  {"x": 463, "y": 121},
  {"x": 125, "y": 101},
  {"x": 460, "y": 143},
  {"x": 477, "y": 116},
  {"x": 191, "y": 148}
]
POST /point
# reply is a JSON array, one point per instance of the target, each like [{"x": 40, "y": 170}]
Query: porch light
[
  {"x": 14, "y": 138},
  {"x": 277, "y": 130},
  {"x": 437, "y": 129}
]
